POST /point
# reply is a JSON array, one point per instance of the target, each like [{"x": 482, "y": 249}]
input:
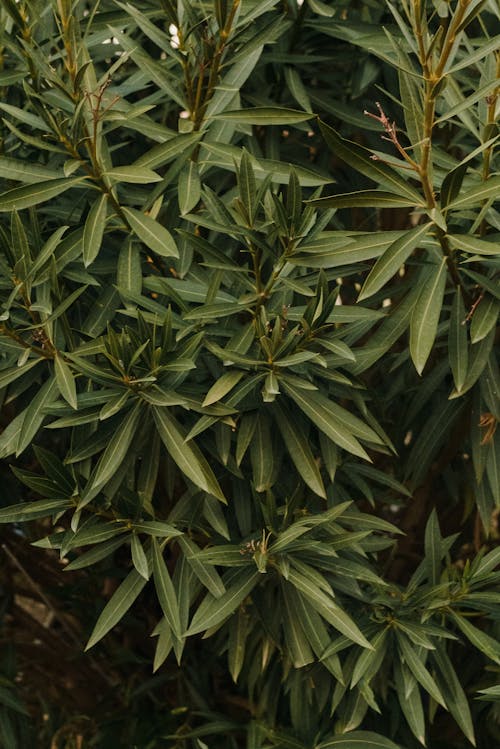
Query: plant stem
[
  {"x": 433, "y": 77},
  {"x": 198, "y": 113}
]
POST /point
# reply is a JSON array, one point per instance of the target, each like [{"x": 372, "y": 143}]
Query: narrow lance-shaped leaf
[
  {"x": 410, "y": 700},
  {"x": 433, "y": 545},
  {"x": 475, "y": 195},
  {"x": 94, "y": 230},
  {"x": 189, "y": 187},
  {"x": 453, "y": 692},
  {"x": 473, "y": 245},
  {"x": 65, "y": 381},
  {"x": 363, "y": 199},
  {"x": 264, "y": 116},
  {"x": 165, "y": 589},
  {"x": 95, "y": 554},
  {"x": 425, "y": 317},
  {"x": 151, "y": 232},
  {"x": 327, "y": 608},
  {"x": 139, "y": 558},
  {"x": 186, "y": 454},
  {"x": 206, "y": 573},
  {"x": 31, "y": 510},
  {"x": 35, "y": 415},
  {"x": 139, "y": 175},
  {"x": 484, "y": 318},
  {"x": 361, "y": 159},
  {"x": 23, "y": 171},
  {"x": 237, "y": 644},
  {"x": 261, "y": 454},
  {"x": 414, "y": 663},
  {"x": 458, "y": 352},
  {"x": 128, "y": 272},
  {"x": 247, "y": 185},
  {"x": 213, "y": 611},
  {"x": 165, "y": 152},
  {"x": 117, "y": 606},
  {"x": 317, "y": 408},
  {"x": 391, "y": 261},
  {"x": 29, "y": 195},
  {"x": 358, "y": 740},
  {"x": 296, "y": 640},
  {"x": 297, "y": 445},
  {"x": 114, "y": 454},
  {"x": 222, "y": 386}
]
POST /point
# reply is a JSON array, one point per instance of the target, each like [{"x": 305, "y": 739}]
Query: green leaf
[
  {"x": 369, "y": 661},
  {"x": 138, "y": 175},
  {"x": 433, "y": 547},
  {"x": 361, "y": 159},
  {"x": 117, "y": 606},
  {"x": 413, "y": 660},
  {"x": 473, "y": 245},
  {"x": 261, "y": 454},
  {"x": 186, "y": 454},
  {"x": 296, "y": 640},
  {"x": 264, "y": 116},
  {"x": 237, "y": 644},
  {"x": 129, "y": 270},
  {"x": 165, "y": 152},
  {"x": 363, "y": 199},
  {"x": 164, "y": 644},
  {"x": 13, "y": 373},
  {"x": 189, "y": 187},
  {"x": 476, "y": 195},
  {"x": 483, "y": 642},
  {"x": 322, "y": 9},
  {"x": 452, "y": 184},
  {"x": 165, "y": 589},
  {"x": 213, "y": 611},
  {"x": 114, "y": 454},
  {"x": 453, "y": 692},
  {"x": 156, "y": 528},
  {"x": 47, "y": 251},
  {"x": 65, "y": 381},
  {"x": 490, "y": 694},
  {"x": 479, "y": 354},
  {"x": 247, "y": 186},
  {"x": 222, "y": 387},
  {"x": 330, "y": 419},
  {"x": 32, "y": 510},
  {"x": 29, "y": 195},
  {"x": 484, "y": 318},
  {"x": 94, "y": 230},
  {"x": 206, "y": 573},
  {"x": 24, "y": 171},
  {"x": 139, "y": 557},
  {"x": 327, "y": 608},
  {"x": 297, "y": 445},
  {"x": 458, "y": 352},
  {"x": 392, "y": 260},
  {"x": 410, "y": 700},
  {"x": 34, "y": 415},
  {"x": 94, "y": 532},
  {"x": 426, "y": 313},
  {"x": 96, "y": 554},
  {"x": 358, "y": 740},
  {"x": 152, "y": 233}
]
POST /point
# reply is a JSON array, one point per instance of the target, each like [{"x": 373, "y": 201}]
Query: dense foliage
[{"x": 249, "y": 261}]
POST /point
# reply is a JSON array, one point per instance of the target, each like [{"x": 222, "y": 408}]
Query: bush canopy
[{"x": 249, "y": 263}]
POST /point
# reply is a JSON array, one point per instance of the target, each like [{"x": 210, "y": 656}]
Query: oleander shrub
[{"x": 250, "y": 253}]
